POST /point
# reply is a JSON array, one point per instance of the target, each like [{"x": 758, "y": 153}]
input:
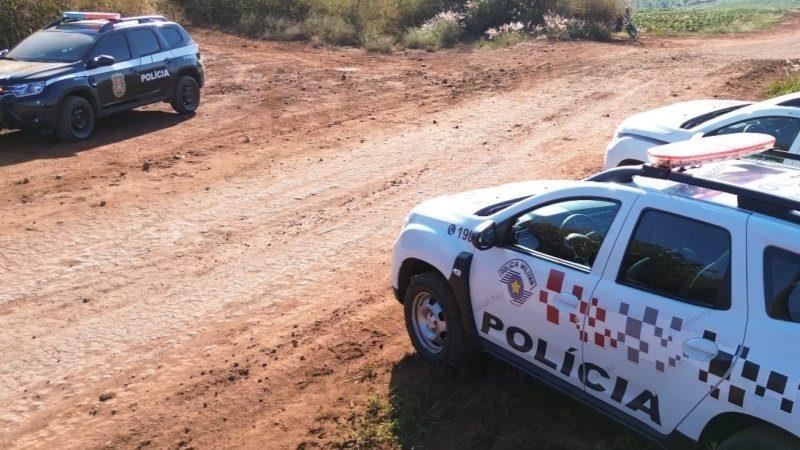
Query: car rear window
[
  {"x": 173, "y": 37},
  {"x": 782, "y": 284},
  {"x": 681, "y": 258},
  {"x": 143, "y": 42}
]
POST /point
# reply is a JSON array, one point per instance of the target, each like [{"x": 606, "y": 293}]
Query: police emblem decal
[
  {"x": 518, "y": 278},
  {"x": 118, "y": 85}
]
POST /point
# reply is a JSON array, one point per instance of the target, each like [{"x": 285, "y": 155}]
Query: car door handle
[
  {"x": 700, "y": 349},
  {"x": 566, "y": 301}
]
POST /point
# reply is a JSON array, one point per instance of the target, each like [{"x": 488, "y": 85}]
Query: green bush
[
  {"x": 783, "y": 86},
  {"x": 375, "y": 41},
  {"x": 442, "y": 31},
  {"x": 19, "y": 18},
  {"x": 331, "y": 29},
  {"x": 508, "y": 39}
]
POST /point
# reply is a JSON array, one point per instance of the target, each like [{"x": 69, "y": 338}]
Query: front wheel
[
  {"x": 760, "y": 436},
  {"x": 434, "y": 322},
  {"x": 187, "y": 95},
  {"x": 75, "y": 119}
]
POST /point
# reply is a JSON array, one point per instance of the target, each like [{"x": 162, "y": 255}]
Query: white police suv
[
  {"x": 89, "y": 65},
  {"x": 779, "y": 117},
  {"x": 665, "y": 295}
]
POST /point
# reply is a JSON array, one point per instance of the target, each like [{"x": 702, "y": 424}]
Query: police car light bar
[
  {"x": 709, "y": 149},
  {"x": 73, "y": 15}
]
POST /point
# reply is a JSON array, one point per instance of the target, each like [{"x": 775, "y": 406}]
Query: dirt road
[{"x": 223, "y": 280}]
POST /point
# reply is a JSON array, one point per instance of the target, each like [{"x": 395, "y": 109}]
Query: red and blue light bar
[{"x": 74, "y": 15}]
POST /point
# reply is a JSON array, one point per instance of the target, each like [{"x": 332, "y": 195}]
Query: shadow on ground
[
  {"x": 490, "y": 405},
  {"x": 19, "y": 147}
]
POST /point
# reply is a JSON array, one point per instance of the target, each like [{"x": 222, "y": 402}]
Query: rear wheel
[
  {"x": 434, "y": 322},
  {"x": 187, "y": 95},
  {"x": 75, "y": 119},
  {"x": 760, "y": 436}
]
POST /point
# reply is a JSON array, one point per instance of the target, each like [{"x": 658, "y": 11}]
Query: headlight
[{"x": 27, "y": 89}]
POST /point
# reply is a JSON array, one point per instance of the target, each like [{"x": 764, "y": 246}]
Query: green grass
[
  {"x": 483, "y": 405},
  {"x": 509, "y": 39},
  {"x": 783, "y": 86},
  {"x": 705, "y": 4},
  {"x": 707, "y": 21}
]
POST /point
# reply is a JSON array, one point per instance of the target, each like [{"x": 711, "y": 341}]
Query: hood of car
[
  {"x": 675, "y": 122},
  {"x": 483, "y": 202},
  {"x": 12, "y": 71}
]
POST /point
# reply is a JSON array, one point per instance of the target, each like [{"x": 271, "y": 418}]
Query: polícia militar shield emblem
[
  {"x": 518, "y": 279},
  {"x": 118, "y": 84}
]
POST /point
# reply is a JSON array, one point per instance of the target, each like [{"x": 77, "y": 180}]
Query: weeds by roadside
[
  {"x": 783, "y": 86},
  {"x": 485, "y": 404}
]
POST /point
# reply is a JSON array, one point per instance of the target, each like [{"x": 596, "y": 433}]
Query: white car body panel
[{"x": 660, "y": 126}]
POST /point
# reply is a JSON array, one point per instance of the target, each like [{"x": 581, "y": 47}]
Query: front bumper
[{"x": 26, "y": 113}]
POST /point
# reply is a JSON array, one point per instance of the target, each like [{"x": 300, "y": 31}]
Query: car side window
[
  {"x": 173, "y": 37},
  {"x": 144, "y": 42},
  {"x": 681, "y": 258},
  {"x": 784, "y": 129},
  {"x": 782, "y": 284},
  {"x": 115, "y": 45},
  {"x": 571, "y": 230}
]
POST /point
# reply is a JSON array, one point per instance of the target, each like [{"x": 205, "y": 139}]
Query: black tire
[
  {"x": 452, "y": 348},
  {"x": 76, "y": 119},
  {"x": 760, "y": 436},
  {"x": 187, "y": 95}
]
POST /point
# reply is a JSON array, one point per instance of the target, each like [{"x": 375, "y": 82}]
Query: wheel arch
[
  {"x": 725, "y": 424},
  {"x": 630, "y": 162},
  {"x": 410, "y": 268},
  {"x": 84, "y": 93},
  {"x": 192, "y": 72}
]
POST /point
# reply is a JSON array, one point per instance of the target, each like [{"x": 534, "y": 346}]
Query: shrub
[
  {"x": 507, "y": 35},
  {"x": 592, "y": 19},
  {"x": 331, "y": 29},
  {"x": 783, "y": 86},
  {"x": 19, "y": 18},
  {"x": 444, "y": 30},
  {"x": 377, "y": 42}
]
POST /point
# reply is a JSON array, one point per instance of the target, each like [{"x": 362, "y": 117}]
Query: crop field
[{"x": 683, "y": 21}]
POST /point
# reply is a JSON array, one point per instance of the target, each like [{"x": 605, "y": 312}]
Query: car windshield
[{"x": 45, "y": 47}]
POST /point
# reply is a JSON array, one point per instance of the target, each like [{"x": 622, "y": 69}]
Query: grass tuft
[{"x": 783, "y": 86}]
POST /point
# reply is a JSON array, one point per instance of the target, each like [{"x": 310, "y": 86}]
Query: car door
[
  {"x": 671, "y": 310},
  {"x": 116, "y": 83},
  {"x": 530, "y": 293},
  {"x": 152, "y": 73}
]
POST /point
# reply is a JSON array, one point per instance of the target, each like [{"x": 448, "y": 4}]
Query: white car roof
[{"x": 756, "y": 174}]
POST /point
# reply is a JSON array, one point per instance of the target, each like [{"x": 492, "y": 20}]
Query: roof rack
[
  {"x": 748, "y": 199},
  {"x": 139, "y": 19}
]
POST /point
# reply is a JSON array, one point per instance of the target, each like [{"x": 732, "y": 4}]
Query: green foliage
[
  {"x": 707, "y": 21},
  {"x": 434, "y": 35},
  {"x": 783, "y": 86},
  {"x": 750, "y": 4},
  {"x": 509, "y": 39},
  {"x": 375, "y": 41},
  {"x": 19, "y": 18}
]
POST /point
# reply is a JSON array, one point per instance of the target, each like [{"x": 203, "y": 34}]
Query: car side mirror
[
  {"x": 3, "y": 53},
  {"x": 484, "y": 236},
  {"x": 102, "y": 61}
]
